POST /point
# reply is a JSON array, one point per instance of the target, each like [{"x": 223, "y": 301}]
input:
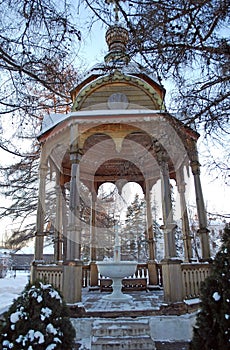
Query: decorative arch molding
[
  {"x": 114, "y": 131},
  {"x": 131, "y": 169},
  {"x": 142, "y": 140},
  {"x": 94, "y": 138},
  {"x": 118, "y": 77}
]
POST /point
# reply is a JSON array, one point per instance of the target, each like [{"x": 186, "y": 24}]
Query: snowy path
[{"x": 10, "y": 288}]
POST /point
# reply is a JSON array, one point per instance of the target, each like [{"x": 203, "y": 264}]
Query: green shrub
[
  {"x": 37, "y": 320},
  {"x": 212, "y": 330}
]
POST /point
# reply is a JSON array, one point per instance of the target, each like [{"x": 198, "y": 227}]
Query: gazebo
[{"x": 118, "y": 131}]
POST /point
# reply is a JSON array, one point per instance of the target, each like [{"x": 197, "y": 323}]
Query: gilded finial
[{"x": 117, "y": 38}]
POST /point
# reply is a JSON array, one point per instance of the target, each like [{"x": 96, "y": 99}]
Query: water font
[{"x": 117, "y": 269}]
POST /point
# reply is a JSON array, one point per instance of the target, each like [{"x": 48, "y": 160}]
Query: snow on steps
[{"x": 120, "y": 334}]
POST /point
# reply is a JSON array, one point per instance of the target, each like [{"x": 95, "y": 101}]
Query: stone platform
[
  {"x": 145, "y": 323},
  {"x": 143, "y": 303}
]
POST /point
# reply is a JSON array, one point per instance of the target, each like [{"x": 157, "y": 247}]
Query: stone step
[
  {"x": 121, "y": 334},
  {"x": 123, "y": 343},
  {"x": 120, "y": 328}
]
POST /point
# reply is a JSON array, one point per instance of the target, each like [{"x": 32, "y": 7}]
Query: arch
[
  {"x": 158, "y": 128},
  {"x": 115, "y": 80},
  {"x": 131, "y": 188},
  {"x": 121, "y": 169},
  {"x": 95, "y": 138}
]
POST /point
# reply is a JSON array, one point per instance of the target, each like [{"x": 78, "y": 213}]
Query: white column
[
  {"x": 72, "y": 267},
  {"x": 74, "y": 229},
  {"x": 169, "y": 225},
  {"x": 64, "y": 221},
  {"x": 203, "y": 231},
  {"x": 58, "y": 221},
  {"x": 184, "y": 216},
  {"x": 93, "y": 228},
  {"x": 39, "y": 237},
  {"x": 149, "y": 221}
]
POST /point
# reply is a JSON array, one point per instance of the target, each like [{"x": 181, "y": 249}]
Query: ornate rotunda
[{"x": 118, "y": 131}]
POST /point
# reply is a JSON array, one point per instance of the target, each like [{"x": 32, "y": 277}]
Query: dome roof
[{"x": 117, "y": 38}]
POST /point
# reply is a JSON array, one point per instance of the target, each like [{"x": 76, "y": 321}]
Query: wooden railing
[
  {"x": 192, "y": 276},
  {"x": 54, "y": 274},
  {"x": 141, "y": 271},
  {"x": 50, "y": 274}
]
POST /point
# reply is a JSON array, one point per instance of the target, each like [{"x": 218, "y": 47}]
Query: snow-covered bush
[
  {"x": 37, "y": 320},
  {"x": 212, "y": 330}
]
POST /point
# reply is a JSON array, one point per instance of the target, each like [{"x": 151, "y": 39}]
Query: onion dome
[{"x": 117, "y": 38}]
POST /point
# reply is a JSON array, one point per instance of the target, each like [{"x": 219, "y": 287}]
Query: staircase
[{"x": 125, "y": 334}]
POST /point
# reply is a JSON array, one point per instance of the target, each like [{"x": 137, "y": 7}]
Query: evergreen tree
[
  {"x": 38, "y": 320},
  {"x": 39, "y": 41},
  {"x": 134, "y": 240},
  {"x": 212, "y": 330}
]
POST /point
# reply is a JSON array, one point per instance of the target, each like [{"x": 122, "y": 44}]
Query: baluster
[
  {"x": 188, "y": 277},
  {"x": 138, "y": 272},
  {"x": 197, "y": 283}
]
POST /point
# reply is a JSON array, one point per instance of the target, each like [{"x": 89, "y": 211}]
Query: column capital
[
  {"x": 40, "y": 233},
  {"x": 58, "y": 186},
  {"x": 43, "y": 170},
  {"x": 162, "y": 157},
  {"x": 75, "y": 155},
  {"x": 195, "y": 166},
  {"x": 203, "y": 230},
  {"x": 181, "y": 187}
]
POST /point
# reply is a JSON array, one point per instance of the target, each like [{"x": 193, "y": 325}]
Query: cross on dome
[{"x": 116, "y": 8}]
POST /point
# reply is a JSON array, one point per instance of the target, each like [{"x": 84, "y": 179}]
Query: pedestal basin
[{"x": 117, "y": 270}]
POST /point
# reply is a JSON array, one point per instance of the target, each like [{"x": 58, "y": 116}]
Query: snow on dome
[{"x": 130, "y": 68}]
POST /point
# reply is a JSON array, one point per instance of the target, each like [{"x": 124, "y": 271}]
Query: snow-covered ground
[{"x": 10, "y": 288}]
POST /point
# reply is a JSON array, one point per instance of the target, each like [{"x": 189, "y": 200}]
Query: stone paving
[{"x": 96, "y": 301}]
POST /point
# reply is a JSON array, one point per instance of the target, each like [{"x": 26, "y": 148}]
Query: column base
[
  {"x": 172, "y": 280},
  {"x": 72, "y": 281},
  {"x": 153, "y": 274},
  {"x": 93, "y": 275},
  {"x": 204, "y": 240}
]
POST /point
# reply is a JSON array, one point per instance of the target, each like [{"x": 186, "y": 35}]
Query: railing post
[
  {"x": 72, "y": 286},
  {"x": 171, "y": 270},
  {"x": 93, "y": 275},
  {"x": 152, "y": 269},
  {"x": 33, "y": 272}
]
